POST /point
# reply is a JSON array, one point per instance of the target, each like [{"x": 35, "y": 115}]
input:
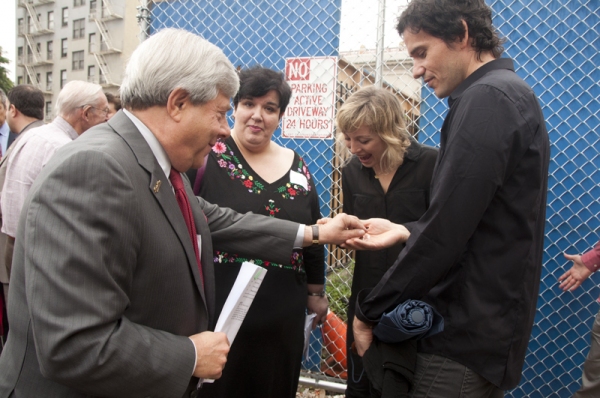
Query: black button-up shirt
[{"x": 476, "y": 254}]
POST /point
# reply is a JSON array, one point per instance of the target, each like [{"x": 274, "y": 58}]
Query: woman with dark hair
[{"x": 250, "y": 172}]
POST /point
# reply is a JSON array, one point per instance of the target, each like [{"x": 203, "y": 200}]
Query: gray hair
[
  {"x": 176, "y": 58},
  {"x": 76, "y": 94}
]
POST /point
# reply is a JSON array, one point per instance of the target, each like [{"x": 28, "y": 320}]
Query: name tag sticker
[{"x": 298, "y": 179}]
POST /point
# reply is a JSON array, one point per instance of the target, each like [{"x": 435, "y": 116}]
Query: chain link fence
[{"x": 555, "y": 46}]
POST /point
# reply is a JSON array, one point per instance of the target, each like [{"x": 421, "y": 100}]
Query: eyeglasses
[{"x": 105, "y": 110}]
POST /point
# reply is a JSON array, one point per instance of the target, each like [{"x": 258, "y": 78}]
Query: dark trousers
[
  {"x": 590, "y": 383},
  {"x": 357, "y": 385},
  {"x": 439, "y": 377}
]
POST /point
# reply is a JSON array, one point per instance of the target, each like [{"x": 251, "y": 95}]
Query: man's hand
[
  {"x": 211, "y": 354},
  {"x": 317, "y": 304},
  {"x": 381, "y": 234},
  {"x": 336, "y": 230},
  {"x": 574, "y": 277},
  {"x": 363, "y": 336}
]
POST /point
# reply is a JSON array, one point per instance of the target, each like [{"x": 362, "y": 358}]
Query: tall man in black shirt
[{"x": 476, "y": 254}]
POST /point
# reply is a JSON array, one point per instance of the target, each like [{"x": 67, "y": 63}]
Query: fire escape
[
  {"x": 106, "y": 47},
  {"x": 31, "y": 30}
]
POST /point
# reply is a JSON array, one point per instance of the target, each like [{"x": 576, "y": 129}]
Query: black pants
[{"x": 439, "y": 377}]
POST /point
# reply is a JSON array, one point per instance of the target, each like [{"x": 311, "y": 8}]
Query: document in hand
[{"x": 238, "y": 302}]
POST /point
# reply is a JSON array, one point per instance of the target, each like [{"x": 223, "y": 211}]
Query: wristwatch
[{"x": 315, "y": 235}]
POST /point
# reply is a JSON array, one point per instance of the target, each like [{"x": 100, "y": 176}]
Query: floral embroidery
[
  {"x": 271, "y": 208},
  {"x": 219, "y": 147},
  {"x": 296, "y": 262},
  {"x": 227, "y": 160}
]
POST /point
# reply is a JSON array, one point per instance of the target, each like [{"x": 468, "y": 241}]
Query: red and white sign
[{"x": 311, "y": 111}]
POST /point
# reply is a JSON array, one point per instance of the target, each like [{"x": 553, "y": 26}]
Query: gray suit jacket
[{"x": 105, "y": 287}]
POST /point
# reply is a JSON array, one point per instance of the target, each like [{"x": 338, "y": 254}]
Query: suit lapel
[
  {"x": 159, "y": 187},
  {"x": 206, "y": 252}
]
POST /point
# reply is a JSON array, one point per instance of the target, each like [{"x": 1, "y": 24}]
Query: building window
[
  {"x": 77, "y": 3},
  {"x": 65, "y": 16},
  {"x": 79, "y": 28},
  {"x": 38, "y": 49},
  {"x": 48, "y": 109},
  {"x": 101, "y": 77},
  {"x": 92, "y": 8},
  {"x": 38, "y": 78},
  {"x": 63, "y": 78},
  {"x": 92, "y": 43},
  {"x": 28, "y": 79},
  {"x": 91, "y": 73},
  {"x": 51, "y": 20},
  {"x": 48, "y": 81},
  {"x": 20, "y": 55},
  {"x": 20, "y": 26},
  {"x": 63, "y": 48},
  {"x": 29, "y": 56},
  {"x": 78, "y": 60},
  {"x": 19, "y": 79},
  {"x": 29, "y": 27},
  {"x": 49, "y": 50},
  {"x": 103, "y": 44}
]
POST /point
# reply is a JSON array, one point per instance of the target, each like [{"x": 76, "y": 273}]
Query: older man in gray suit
[{"x": 107, "y": 295}]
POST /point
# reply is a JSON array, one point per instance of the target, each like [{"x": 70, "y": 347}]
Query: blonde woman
[{"x": 388, "y": 176}]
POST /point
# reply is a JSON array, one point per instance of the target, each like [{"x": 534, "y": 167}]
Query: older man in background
[{"x": 80, "y": 105}]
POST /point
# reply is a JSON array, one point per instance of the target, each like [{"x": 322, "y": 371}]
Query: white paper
[
  {"x": 307, "y": 329},
  {"x": 238, "y": 302}
]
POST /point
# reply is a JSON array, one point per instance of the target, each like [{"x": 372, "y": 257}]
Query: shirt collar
[
  {"x": 500, "y": 63},
  {"x": 413, "y": 151},
  {"x": 4, "y": 130},
  {"x": 155, "y": 147},
  {"x": 62, "y": 124}
]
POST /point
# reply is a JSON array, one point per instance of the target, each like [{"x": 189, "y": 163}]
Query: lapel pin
[{"x": 157, "y": 186}]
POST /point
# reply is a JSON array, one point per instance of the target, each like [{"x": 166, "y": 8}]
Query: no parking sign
[{"x": 311, "y": 111}]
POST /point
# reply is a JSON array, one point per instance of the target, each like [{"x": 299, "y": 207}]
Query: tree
[{"x": 5, "y": 83}]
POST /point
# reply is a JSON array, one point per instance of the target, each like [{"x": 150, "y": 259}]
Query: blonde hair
[{"x": 381, "y": 112}]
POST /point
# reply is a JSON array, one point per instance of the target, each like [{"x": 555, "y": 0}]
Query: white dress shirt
[{"x": 30, "y": 155}]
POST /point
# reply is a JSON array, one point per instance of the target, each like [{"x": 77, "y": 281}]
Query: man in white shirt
[
  {"x": 80, "y": 105},
  {"x": 25, "y": 111}
]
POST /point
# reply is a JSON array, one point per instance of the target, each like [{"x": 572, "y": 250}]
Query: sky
[
  {"x": 7, "y": 34},
  {"x": 354, "y": 14}
]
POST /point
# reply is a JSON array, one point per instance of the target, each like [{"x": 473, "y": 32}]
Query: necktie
[{"x": 186, "y": 211}]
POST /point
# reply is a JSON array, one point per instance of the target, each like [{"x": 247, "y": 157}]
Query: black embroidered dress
[{"x": 265, "y": 357}]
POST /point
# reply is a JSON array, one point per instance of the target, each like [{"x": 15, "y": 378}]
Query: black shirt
[
  {"x": 405, "y": 201},
  {"x": 476, "y": 254}
]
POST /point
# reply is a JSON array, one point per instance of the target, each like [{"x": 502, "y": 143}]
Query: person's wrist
[{"x": 315, "y": 235}]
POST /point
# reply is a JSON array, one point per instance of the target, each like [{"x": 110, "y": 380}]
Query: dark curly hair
[
  {"x": 258, "y": 81},
  {"x": 443, "y": 19}
]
